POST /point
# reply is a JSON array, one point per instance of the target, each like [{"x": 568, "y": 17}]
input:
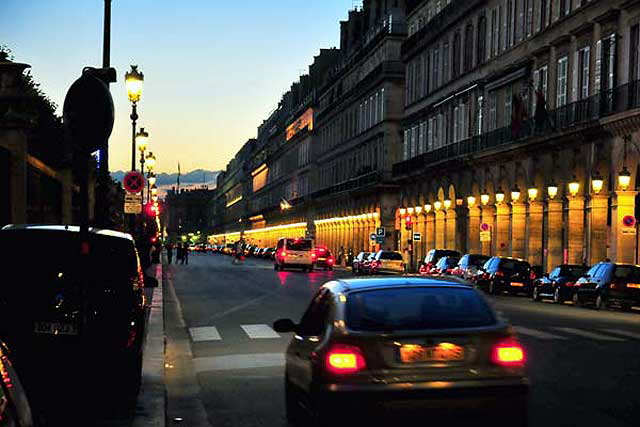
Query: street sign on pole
[
  {"x": 133, "y": 182},
  {"x": 373, "y": 236},
  {"x": 629, "y": 224},
  {"x": 485, "y": 236},
  {"x": 417, "y": 237},
  {"x": 380, "y": 231},
  {"x": 379, "y": 240},
  {"x": 133, "y": 203}
]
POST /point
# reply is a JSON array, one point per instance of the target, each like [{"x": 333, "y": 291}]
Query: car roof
[
  {"x": 347, "y": 285},
  {"x": 67, "y": 229}
]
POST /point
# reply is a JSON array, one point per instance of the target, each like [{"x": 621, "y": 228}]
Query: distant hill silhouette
[{"x": 198, "y": 176}]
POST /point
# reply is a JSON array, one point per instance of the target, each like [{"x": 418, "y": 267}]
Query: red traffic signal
[{"x": 151, "y": 210}]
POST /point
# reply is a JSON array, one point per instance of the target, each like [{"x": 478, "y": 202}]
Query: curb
[{"x": 150, "y": 410}]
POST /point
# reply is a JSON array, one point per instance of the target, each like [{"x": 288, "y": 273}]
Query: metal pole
[
  {"x": 142, "y": 172},
  {"x": 134, "y": 118}
]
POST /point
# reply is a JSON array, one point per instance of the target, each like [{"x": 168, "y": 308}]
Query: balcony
[
  {"x": 583, "y": 113},
  {"x": 350, "y": 185}
]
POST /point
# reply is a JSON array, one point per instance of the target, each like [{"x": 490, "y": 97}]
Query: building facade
[{"x": 520, "y": 127}]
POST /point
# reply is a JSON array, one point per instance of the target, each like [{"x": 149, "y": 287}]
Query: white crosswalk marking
[
  {"x": 238, "y": 361},
  {"x": 205, "y": 333},
  {"x": 259, "y": 331},
  {"x": 537, "y": 334},
  {"x": 623, "y": 333},
  {"x": 587, "y": 334}
]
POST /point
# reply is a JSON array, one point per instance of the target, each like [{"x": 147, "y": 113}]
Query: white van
[{"x": 294, "y": 253}]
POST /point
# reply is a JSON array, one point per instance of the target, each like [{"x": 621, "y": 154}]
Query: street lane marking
[
  {"x": 623, "y": 333},
  {"x": 587, "y": 334},
  {"x": 538, "y": 334},
  {"x": 238, "y": 361},
  {"x": 259, "y": 331},
  {"x": 205, "y": 333}
]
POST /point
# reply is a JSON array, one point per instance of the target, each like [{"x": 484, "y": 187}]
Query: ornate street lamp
[
  {"x": 427, "y": 207},
  {"x": 515, "y": 194},
  {"x": 597, "y": 182},
  {"x": 403, "y": 211},
  {"x": 552, "y": 190},
  {"x": 151, "y": 178},
  {"x": 418, "y": 210},
  {"x": 499, "y": 196},
  {"x": 533, "y": 193},
  {"x": 471, "y": 201},
  {"x": 154, "y": 190},
  {"x": 133, "y": 82},
  {"x": 574, "y": 186},
  {"x": 624, "y": 178},
  {"x": 437, "y": 205},
  {"x": 410, "y": 211},
  {"x": 447, "y": 204},
  {"x": 484, "y": 198}
]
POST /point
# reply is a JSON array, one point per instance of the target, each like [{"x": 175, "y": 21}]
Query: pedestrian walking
[
  {"x": 340, "y": 255},
  {"x": 179, "y": 254},
  {"x": 185, "y": 254},
  {"x": 169, "y": 252}
]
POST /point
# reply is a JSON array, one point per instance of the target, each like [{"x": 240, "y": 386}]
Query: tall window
[
  {"x": 509, "y": 21},
  {"x": 605, "y": 75},
  {"x": 479, "y": 114},
  {"x": 545, "y": 13},
  {"x": 564, "y": 7},
  {"x": 561, "y": 85},
  {"x": 455, "y": 66},
  {"x": 634, "y": 54},
  {"x": 445, "y": 62},
  {"x": 436, "y": 67},
  {"x": 481, "y": 45},
  {"x": 583, "y": 70},
  {"x": 495, "y": 32},
  {"x": 468, "y": 48},
  {"x": 493, "y": 111},
  {"x": 508, "y": 105},
  {"x": 529, "y": 20},
  {"x": 405, "y": 146}
]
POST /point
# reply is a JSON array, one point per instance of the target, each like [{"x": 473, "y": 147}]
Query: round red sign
[
  {"x": 484, "y": 227},
  {"x": 629, "y": 221},
  {"x": 133, "y": 182}
]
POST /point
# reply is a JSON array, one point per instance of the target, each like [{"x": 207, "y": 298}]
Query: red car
[{"x": 323, "y": 258}]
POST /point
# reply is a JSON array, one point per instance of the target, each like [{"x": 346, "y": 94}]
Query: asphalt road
[{"x": 225, "y": 363}]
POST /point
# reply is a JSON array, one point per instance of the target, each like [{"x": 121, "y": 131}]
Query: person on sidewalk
[
  {"x": 185, "y": 254},
  {"x": 169, "y": 252}
]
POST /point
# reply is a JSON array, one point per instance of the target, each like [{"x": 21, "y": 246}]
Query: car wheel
[
  {"x": 536, "y": 294},
  {"x": 557, "y": 296},
  {"x": 601, "y": 302},
  {"x": 576, "y": 300}
]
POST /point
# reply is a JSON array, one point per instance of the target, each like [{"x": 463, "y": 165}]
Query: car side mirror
[
  {"x": 284, "y": 326},
  {"x": 150, "y": 282}
]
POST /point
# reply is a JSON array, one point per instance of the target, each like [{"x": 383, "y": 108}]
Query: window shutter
[
  {"x": 612, "y": 62},
  {"x": 574, "y": 75},
  {"x": 598, "y": 73}
]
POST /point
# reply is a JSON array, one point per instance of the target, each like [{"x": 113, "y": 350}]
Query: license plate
[
  {"x": 518, "y": 284},
  {"x": 322, "y": 259},
  {"x": 443, "y": 352},
  {"x": 55, "y": 328}
]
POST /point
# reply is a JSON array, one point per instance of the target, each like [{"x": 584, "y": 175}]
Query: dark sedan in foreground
[{"x": 406, "y": 347}]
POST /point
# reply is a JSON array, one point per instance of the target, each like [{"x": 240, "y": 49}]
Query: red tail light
[
  {"x": 330, "y": 261},
  {"x": 508, "y": 352},
  {"x": 313, "y": 255},
  {"x": 532, "y": 275},
  {"x": 345, "y": 359},
  {"x": 569, "y": 284},
  {"x": 499, "y": 274}
]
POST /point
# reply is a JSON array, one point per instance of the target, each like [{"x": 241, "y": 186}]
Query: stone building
[{"x": 521, "y": 121}]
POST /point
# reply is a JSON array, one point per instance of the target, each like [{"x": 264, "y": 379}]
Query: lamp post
[
  {"x": 142, "y": 139},
  {"x": 151, "y": 164},
  {"x": 133, "y": 82}
]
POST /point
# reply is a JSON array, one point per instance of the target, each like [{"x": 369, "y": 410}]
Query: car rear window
[
  {"x": 630, "y": 273},
  {"x": 417, "y": 308},
  {"x": 299, "y": 245},
  {"x": 477, "y": 260},
  {"x": 573, "y": 272},
  {"x": 394, "y": 256},
  {"x": 513, "y": 265},
  {"x": 452, "y": 261}
]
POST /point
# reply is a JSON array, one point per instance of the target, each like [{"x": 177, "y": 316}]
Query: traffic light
[
  {"x": 408, "y": 225},
  {"x": 151, "y": 210}
]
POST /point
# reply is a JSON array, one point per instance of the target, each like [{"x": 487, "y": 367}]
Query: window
[
  {"x": 382, "y": 105},
  {"x": 405, "y": 153},
  {"x": 479, "y": 114},
  {"x": 413, "y": 308},
  {"x": 455, "y": 65},
  {"x": 495, "y": 32},
  {"x": 481, "y": 46},
  {"x": 436, "y": 67},
  {"x": 529, "y": 19},
  {"x": 314, "y": 321},
  {"x": 583, "y": 70},
  {"x": 445, "y": 63},
  {"x": 456, "y": 121},
  {"x": 509, "y": 11},
  {"x": 508, "y": 105},
  {"x": 605, "y": 73},
  {"x": 564, "y": 7},
  {"x": 545, "y": 13},
  {"x": 493, "y": 111}
]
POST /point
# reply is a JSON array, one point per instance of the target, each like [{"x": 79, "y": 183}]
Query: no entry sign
[
  {"x": 133, "y": 182},
  {"x": 629, "y": 221}
]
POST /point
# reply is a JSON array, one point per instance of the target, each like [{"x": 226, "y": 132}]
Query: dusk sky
[{"x": 213, "y": 69}]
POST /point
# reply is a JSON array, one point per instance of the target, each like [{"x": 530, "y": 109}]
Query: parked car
[
  {"x": 268, "y": 253},
  {"x": 433, "y": 256},
  {"x": 468, "y": 266},
  {"x": 607, "y": 283},
  {"x": 501, "y": 274},
  {"x": 14, "y": 404},
  {"x": 386, "y": 262},
  {"x": 83, "y": 302},
  {"x": 357, "y": 266},
  {"x": 365, "y": 342},
  {"x": 294, "y": 253},
  {"x": 324, "y": 258},
  {"x": 559, "y": 285},
  {"x": 366, "y": 264},
  {"x": 445, "y": 265}
]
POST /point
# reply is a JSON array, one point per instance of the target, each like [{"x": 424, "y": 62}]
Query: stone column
[
  {"x": 462, "y": 229},
  {"x": 440, "y": 231},
  {"x": 451, "y": 235},
  {"x": 502, "y": 229},
  {"x": 597, "y": 215},
  {"x": 430, "y": 231},
  {"x": 534, "y": 232},
  {"x": 554, "y": 226},
  {"x": 575, "y": 230},
  {"x": 421, "y": 245},
  {"x": 473, "y": 230},
  {"x": 518, "y": 229},
  {"x": 488, "y": 217},
  {"x": 623, "y": 239}
]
